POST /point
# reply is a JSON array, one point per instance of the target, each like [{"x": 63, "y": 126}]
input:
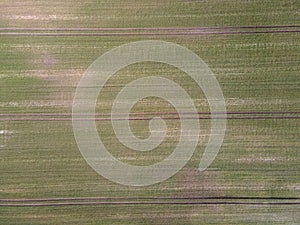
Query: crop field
[{"x": 251, "y": 47}]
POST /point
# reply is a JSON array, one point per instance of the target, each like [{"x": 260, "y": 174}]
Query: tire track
[
  {"x": 150, "y": 31},
  {"x": 58, "y": 202},
  {"x": 147, "y": 28},
  {"x": 146, "y": 198},
  {"x": 145, "y": 34},
  {"x": 146, "y": 203},
  {"x": 145, "y": 119},
  {"x": 150, "y": 115}
]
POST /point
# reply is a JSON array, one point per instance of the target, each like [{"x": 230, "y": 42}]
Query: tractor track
[
  {"x": 150, "y": 31},
  {"x": 90, "y": 201},
  {"x": 149, "y": 116}
]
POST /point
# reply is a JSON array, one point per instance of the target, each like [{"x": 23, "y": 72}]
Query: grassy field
[{"x": 257, "y": 169}]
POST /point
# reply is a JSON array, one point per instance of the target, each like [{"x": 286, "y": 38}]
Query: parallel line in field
[
  {"x": 146, "y": 28},
  {"x": 145, "y": 203},
  {"x": 146, "y": 119},
  {"x": 146, "y": 198},
  {"x": 156, "y": 31},
  {"x": 145, "y": 34},
  {"x": 150, "y": 113}
]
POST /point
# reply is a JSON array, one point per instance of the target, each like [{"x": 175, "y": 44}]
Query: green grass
[
  {"x": 150, "y": 215},
  {"x": 20, "y": 88},
  {"x": 257, "y": 72},
  {"x": 142, "y": 13},
  {"x": 170, "y": 13}
]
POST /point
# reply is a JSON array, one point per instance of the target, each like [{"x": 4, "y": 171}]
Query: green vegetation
[
  {"x": 257, "y": 73},
  {"x": 18, "y": 88}
]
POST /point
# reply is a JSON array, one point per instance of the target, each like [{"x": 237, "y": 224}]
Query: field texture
[{"x": 253, "y": 49}]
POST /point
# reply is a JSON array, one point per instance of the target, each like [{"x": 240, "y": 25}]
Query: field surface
[{"x": 253, "y": 49}]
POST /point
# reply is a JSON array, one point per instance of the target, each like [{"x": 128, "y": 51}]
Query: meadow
[{"x": 253, "y": 49}]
